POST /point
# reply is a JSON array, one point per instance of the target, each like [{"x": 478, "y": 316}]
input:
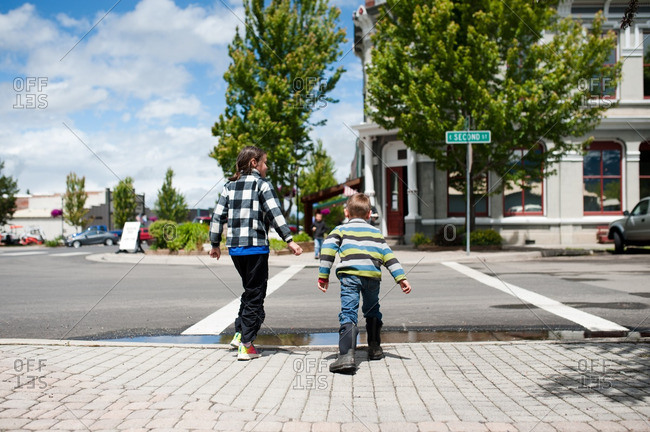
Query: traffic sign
[
  {"x": 464, "y": 137},
  {"x": 468, "y": 137}
]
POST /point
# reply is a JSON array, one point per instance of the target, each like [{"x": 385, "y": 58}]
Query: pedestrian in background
[
  {"x": 248, "y": 204},
  {"x": 362, "y": 249},
  {"x": 320, "y": 230}
]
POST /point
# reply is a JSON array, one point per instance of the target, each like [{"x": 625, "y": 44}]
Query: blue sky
[{"x": 138, "y": 94}]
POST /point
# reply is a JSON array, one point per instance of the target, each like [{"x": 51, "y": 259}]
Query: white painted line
[
  {"x": 589, "y": 321},
  {"x": 68, "y": 254},
  {"x": 23, "y": 253},
  {"x": 217, "y": 322}
]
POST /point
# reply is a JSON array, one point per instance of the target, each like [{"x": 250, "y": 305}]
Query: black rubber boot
[
  {"x": 373, "y": 327},
  {"x": 345, "y": 363}
]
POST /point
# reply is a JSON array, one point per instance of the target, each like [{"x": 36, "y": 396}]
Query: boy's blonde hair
[{"x": 358, "y": 205}]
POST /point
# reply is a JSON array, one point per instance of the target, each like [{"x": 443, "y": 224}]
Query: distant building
[
  {"x": 36, "y": 210},
  {"x": 587, "y": 191}
]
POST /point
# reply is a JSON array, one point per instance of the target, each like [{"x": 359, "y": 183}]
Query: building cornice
[{"x": 372, "y": 129}]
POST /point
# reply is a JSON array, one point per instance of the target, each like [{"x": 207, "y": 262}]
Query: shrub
[
  {"x": 302, "y": 237},
  {"x": 419, "y": 239},
  {"x": 190, "y": 237},
  {"x": 163, "y": 231},
  {"x": 485, "y": 237},
  {"x": 449, "y": 235},
  {"x": 54, "y": 242},
  {"x": 276, "y": 244}
]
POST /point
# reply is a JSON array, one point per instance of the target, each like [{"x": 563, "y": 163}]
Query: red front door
[{"x": 395, "y": 198}]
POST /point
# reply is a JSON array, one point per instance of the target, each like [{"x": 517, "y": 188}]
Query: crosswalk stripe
[
  {"x": 224, "y": 317},
  {"x": 69, "y": 254},
  {"x": 18, "y": 254},
  {"x": 589, "y": 321}
]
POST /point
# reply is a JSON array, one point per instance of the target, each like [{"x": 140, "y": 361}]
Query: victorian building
[{"x": 588, "y": 189}]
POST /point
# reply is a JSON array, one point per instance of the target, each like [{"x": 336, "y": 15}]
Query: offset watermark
[
  {"x": 594, "y": 374},
  {"x": 596, "y": 91},
  {"x": 29, "y": 373},
  {"x": 170, "y": 232},
  {"x": 308, "y": 92},
  {"x": 310, "y": 374},
  {"x": 30, "y": 92},
  {"x": 449, "y": 232}
]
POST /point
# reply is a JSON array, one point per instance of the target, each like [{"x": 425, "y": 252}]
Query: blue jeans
[
  {"x": 351, "y": 287},
  {"x": 318, "y": 243}
]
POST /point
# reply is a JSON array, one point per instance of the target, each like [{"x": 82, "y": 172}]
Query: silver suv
[{"x": 633, "y": 229}]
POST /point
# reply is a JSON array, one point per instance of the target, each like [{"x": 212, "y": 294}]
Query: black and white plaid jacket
[{"x": 248, "y": 205}]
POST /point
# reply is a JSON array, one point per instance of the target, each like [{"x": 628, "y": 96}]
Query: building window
[
  {"x": 456, "y": 204},
  {"x": 644, "y": 170},
  {"x": 602, "y": 87},
  {"x": 646, "y": 65},
  {"x": 525, "y": 197},
  {"x": 602, "y": 180}
]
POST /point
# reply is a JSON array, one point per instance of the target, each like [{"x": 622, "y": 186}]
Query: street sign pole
[
  {"x": 468, "y": 137},
  {"x": 468, "y": 164}
]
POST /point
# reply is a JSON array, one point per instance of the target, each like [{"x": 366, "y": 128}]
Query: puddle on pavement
[{"x": 315, "y": 339}]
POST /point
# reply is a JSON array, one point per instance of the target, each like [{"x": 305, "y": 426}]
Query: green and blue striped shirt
[{"x": 362, "y": 249}]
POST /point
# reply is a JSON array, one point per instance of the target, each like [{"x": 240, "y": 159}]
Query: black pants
[{"x": 254, "y": 272}]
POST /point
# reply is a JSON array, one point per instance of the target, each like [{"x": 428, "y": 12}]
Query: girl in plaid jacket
[{"x": 249, "y": 204}]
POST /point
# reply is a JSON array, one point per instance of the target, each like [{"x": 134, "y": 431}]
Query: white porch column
[
  {"x": 369, "y": 180},
  {"x": 412, "y": 185},
  {"x": 630, "y": 175}
]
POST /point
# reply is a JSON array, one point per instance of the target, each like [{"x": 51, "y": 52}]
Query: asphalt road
[{"x": 58, "y": 294}]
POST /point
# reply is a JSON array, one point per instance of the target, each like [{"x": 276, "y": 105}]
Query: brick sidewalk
[{"x": 514, "y": 386}]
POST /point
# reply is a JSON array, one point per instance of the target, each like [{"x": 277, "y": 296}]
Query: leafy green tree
[
  {"x": 279, "y": 76},
  {"x": 8, "y": 191},
  {"x": 436, "y": 64},
  {"x": 318, "y": 174},
  {"x": 124, "y": 202},
  {"x": 74, "y": 201},
  {"x": 171, "y": 203}
]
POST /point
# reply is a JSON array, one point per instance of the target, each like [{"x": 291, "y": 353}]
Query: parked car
[
  {"x": 92, "y": 236},
  {"x": 295, "y": 229},
  {"x": 202, "y": 219},
  {"x": 633, "y": 229}
]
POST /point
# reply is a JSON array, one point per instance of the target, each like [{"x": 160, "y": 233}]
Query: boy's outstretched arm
[
  {"x": 395, "y": 268},
  {"x": 327, "y": 254}
]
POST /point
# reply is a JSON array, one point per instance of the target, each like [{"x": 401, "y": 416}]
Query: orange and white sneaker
[{"x": 247, "y": 353}]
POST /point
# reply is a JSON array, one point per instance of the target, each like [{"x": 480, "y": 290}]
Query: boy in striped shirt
[{"x": 362, "y": 250}]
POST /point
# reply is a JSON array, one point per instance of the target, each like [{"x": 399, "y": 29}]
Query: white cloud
[
  {"x": 141, "y": 90},
  {"x": 69, "y": 22},
  {"x": 168, "y": 107},
  {"x": 42, "y": 159},
  {"x": 144, "y": 53},
  {"x": 22, "y": 30},
  {"x": 338, "y": 139}
]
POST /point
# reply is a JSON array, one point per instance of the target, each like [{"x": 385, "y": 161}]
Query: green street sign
[{"x": 464, "y": 137}]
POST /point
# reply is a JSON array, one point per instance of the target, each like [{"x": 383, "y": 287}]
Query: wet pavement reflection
[{"x": 388, "y": 337}]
